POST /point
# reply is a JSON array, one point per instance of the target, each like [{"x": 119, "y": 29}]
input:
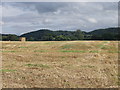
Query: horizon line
[{"x": 58, "y": 30}]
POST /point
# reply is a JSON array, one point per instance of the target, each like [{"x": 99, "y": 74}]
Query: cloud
[
  {"x": 92, "y": 20},
  {"x": 29, "y": 16}
]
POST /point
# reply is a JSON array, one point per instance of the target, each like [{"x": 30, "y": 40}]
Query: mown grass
[
  {"x": 105, "y": 47},
  {"x": 89, "y": 66},
  {"x": 79, "y": 51},
  {"x": 45, "y": 65},
  {"x": 22, "y": 47},
  {"x": 7, "y": 70},
  {"x": 73, "y": 51},
  {"x": 113, "y": 51},
  {"x": 118, "y": 82},
  {"x": 94, "y": 51},
  {"x": 40, "y": 51},
  {"x": 49, "y": 43},
  {"x": 37, "y": 65},
  {"x": 8, "y": 51},
  {"x": 68, "y": 46}
]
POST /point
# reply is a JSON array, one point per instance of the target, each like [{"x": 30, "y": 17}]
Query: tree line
[{"x": 48, "y": 35}]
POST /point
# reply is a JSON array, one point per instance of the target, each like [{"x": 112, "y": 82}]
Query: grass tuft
[
  {"x": 40, "y": 51},
  {"x": 78, "y": 51},
  {"x": 7, "y": 70},
  {"x": 73, "y": 51},
  {"x": 68, "y": 46},
  {"x": 37, "y": 65},
  {"x": 22, "y": 47},
  {"x": 93, "y": 51},
  {"x": 113, "y": 51},
  {"x": 9, "y": 51}
]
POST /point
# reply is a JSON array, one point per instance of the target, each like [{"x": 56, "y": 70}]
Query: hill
[
  {"x": 105, "y": 34},
  {"x": 50, "y": 35}
]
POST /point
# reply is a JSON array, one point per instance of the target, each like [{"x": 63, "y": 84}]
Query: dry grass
[{"x": 60, "y": 64}]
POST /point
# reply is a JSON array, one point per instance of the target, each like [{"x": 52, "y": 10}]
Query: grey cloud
[
  {"x": 65, "y": 16},
  {"x": 41, "y": 7}
]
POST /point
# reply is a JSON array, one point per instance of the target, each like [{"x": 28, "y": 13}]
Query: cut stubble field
[{"x": 60, "y": 64}]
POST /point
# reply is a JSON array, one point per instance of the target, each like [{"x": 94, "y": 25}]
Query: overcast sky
[{"x": 18, "y": 18}]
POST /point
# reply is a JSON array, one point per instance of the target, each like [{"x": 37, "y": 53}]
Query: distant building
[{"x": 22, "y": 38}]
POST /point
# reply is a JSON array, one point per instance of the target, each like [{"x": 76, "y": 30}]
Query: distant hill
[
  {"x": 105, "y": 34},
  {"x": 46, "y": 35},
  {"x": 104, "y": 31},
  {"x": 50, "y": 35}
]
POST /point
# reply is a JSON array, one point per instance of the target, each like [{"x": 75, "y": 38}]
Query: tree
[
  {"x": 107, "y": 36},
  {"x": 13, "y": 37},
  {"x": 79, "y": 35},
  {"x": 31, "y": 39},
  {"x": 10, "y": 37},
  {"x": 96, "y": 37},
  {"x": 62, "y": 38}
]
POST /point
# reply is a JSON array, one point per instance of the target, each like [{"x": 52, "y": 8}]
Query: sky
[{"x": 21, "y": 17}]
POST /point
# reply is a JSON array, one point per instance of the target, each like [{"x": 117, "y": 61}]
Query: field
[{"x": 60, "y": 64}]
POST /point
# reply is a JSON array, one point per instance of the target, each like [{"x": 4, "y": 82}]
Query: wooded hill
[{"x": 49, "y": 35}]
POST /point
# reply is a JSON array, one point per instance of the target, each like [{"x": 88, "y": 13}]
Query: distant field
[{"x": 60, "y": 64}]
